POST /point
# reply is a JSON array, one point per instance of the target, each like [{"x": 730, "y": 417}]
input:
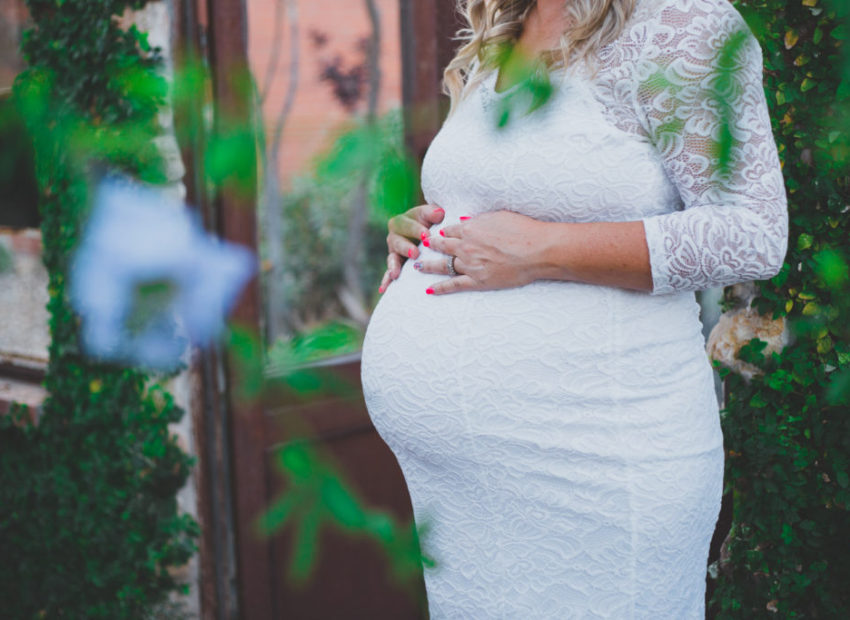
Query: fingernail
[
  {"x": 410, "y": 253},
  {"x": 381, "y": 289},
  {"x": 423, "y": 235},
  {"x": 442, "y": 234},
  {"x": 426, "y": 242},
  {"x": 429, "y": 291},
  {"x": 463, "y": 218},
  {"x": 417, "y": 266},
  {"x": 439, "y": 210}
]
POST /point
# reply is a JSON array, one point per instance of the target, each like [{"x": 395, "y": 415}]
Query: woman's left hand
[{"x": 494, "y": 250}]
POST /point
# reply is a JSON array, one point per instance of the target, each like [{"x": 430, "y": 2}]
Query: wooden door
[
  {"x": 245, "y": 574},
  {"x": 352, "y": 577}
]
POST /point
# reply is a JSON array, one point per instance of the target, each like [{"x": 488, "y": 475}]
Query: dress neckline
[
  {"x": 494, "y": 80},
  {"x": 557, "y": 77}
]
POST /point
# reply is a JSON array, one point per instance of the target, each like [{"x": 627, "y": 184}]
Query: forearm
[
  {"x": 604, "y": 253},
  {"x": 503, "y": 249}
]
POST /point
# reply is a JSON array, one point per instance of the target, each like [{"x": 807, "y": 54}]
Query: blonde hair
[{"x": 493, "y": 26}]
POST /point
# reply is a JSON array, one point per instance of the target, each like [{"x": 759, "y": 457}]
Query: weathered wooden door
[
  {"x": 352, "y": 577},
  {"x": 245, "y": 574}
]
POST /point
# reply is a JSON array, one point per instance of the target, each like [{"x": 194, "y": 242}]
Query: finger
[
  {"x": 402, "y": 246},
  {"x": 385, "y": 282},
  {"x": 394, "y": 262},
  {"x": 416, "y": 221},
  {"x": 453, "y": 230},
  {"x": 432, "y": 214},
  {"x": 406, "y": 226},
  {"x": 452, "y": 285},
  {"x": 438, "y": 266},
  {"x": 445, "y": 245}
]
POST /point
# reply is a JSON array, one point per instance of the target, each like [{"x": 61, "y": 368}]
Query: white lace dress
[{"x": 561, "y": 441}]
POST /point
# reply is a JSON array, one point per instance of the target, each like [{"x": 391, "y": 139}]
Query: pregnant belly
[{"x": 549, "y": 366}]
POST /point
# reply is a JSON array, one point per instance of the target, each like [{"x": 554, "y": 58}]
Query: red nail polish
[
  {"x": 463, "y": 218},
  {"x": 439, "y": 210},
  {"x": 423, "y": 235},
  {"x": 442, "y": 234},
  {"x": 429, "y": 291},
  {"x": 426, "y": 242},
  {"x": 381, "y": 289},
  {"x": 410, "y": 253}
]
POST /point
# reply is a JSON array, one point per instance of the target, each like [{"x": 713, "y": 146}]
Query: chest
[{"x": 565, "y": 161}]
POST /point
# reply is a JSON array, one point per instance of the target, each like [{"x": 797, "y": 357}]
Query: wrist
[{"x": 550, "y": 251}]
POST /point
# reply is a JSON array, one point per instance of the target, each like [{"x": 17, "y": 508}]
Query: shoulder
[
  {"x": 690, "y": 17},
  {"x": 694, "y": 30}
]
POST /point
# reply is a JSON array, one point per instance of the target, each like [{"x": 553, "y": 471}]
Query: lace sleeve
[{"x": 734, "y": 225}]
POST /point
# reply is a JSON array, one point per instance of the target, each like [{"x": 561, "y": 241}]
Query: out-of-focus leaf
[
  {"x": 530, "y": 87},
  {"x": 279, "y": 512},
  {"x": 395, "y": 186},
  {"x": 318, "y": 496},
  {"x": 342, "y": 505},
  {"x": 246, "y": 352},
  {"x": 6, "y": 260},
  {"x": 334, "y": 338},
  {"x": 832, "y": 268},
  {"x": 306, "y": 543},
  {"x": 725, "y": 86},
  {"x": 298, "y": 460},
  {"x": 355, "y": 151},
  {"x": 231, "y": 158}
]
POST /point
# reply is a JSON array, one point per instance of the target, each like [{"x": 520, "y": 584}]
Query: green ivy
[
  {"x": 787, "y": 431},
  {"x": 89, "y": 524}
]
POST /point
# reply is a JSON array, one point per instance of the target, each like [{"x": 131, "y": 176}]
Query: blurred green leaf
[
  {"x": 832, "y": 269},
  {"x": 306, "y": 543},
  {"x": 6, "y": 260},
  {"x": 331, "y": 339},
  {"x": 342, "y": 505},
  {"x": 318, "y": 497},
  {"x": 231, "y": 157},
  {"x": 527, "y": 86},
  {"x": 247, "y": 356},
  {"x": 279, "y": 512},
  {"x": 298, "y": 460},
  {"x": 725, "y": 87},
  {"x": 395, "y": 186}
]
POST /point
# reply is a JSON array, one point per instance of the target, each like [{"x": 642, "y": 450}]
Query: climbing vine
[
  {"x": 787, "y": 431},
  {"x": 89, "y": 524}
]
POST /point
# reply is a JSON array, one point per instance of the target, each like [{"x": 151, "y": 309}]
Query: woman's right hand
[{"x": 405, "y": 232}]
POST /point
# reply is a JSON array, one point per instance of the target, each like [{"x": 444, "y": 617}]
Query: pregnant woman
[{"x": 538, "y": 369}]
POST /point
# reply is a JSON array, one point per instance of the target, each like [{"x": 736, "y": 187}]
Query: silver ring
[{"x": 450, "y": 265}]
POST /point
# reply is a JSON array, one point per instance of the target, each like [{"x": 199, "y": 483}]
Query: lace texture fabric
[
  {"x": 700, "y": 71},
  {"x": 561, "y": 441}
]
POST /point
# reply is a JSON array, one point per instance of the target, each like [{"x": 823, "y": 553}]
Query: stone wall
[
  {"x": 157, "y": 19},
  {"x": 740, "y": 324}
]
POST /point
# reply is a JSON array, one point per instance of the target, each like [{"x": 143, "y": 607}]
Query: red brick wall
[
  {"x": 316, "y": 115},
  {"x": 12, "y": 16}
]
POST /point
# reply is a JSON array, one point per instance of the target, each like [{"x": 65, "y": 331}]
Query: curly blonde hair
[{"x": 495, "y": 25}]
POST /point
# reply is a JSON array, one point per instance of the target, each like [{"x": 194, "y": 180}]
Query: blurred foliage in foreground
[
  {"x": 317, "y": 498},
  {"x": 787, "y": 432},
  {"x": 368, "y": 158},
  {"x": 89, "y": 523}
]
